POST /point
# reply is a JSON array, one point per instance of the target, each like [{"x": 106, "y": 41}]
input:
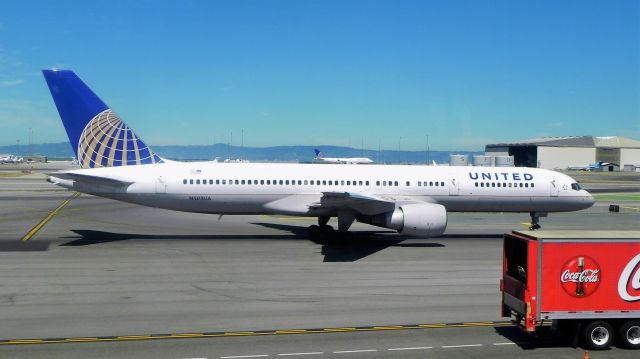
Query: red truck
[{"x": 584, "y": 283}]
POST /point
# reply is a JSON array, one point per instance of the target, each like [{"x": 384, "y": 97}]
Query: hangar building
[{"x": 561, "y": 152}]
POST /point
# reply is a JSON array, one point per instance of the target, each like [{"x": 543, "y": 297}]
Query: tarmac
[{"x": 104, "y": 279}]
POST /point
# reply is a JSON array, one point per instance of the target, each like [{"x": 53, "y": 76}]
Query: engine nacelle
[{"x": 415, "y": 219}]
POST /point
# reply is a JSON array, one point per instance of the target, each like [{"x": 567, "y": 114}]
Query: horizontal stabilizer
[{"x": 103, "y": 181}]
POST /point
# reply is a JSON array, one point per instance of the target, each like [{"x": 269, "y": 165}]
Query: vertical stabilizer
[{"x": 98, "y": 137}]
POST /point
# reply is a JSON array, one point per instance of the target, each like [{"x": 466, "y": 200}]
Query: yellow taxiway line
[
  {"x": 46, "y": 219},
  {"x": 122, "y": 338}
]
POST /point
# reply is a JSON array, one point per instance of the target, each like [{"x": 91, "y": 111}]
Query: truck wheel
[
  {"x": 629, "y": 334},
  {"x": 597, "y": 335}
]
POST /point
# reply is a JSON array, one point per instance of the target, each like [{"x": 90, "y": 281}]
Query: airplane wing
[
  {"x": 105, "y": 181},
  {"x": 363, "y": 204}
]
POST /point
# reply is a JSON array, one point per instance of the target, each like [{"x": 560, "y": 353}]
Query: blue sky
[{"x": 382, "y": 73}]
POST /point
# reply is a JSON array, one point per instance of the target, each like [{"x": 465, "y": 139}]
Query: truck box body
[{"x": 569, "y": 275}]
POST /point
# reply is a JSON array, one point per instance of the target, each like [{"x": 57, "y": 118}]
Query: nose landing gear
[{"x": 535, "y": 220}]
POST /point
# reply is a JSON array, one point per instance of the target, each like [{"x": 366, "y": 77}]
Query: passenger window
[
  {"x": 281, "y": 182},
  {"x": 430, "y": 184},
  {"x": 197, "y": 181},
  {"x": 437, "y": 184},
  {"x": 493, "y": 184},
  {"x": 419, "y": 184},
  {"x": 481, "y": 184},
  {"x": 286, "y": 182},
  {"x": 476, "y": 184},
  {"x": 341, "y": 183},
  {"x": 520, "y": 185},
  {"x": 395, "y": 183},
  {"x": 184, "y": 181},
  {"x": 366, "y": 182},
  {"x": 377, "y": 183},
  {"x": 407, "y": 183},
  {"x": 532, "y": 185},
  {"x": 442, "y": 184}
]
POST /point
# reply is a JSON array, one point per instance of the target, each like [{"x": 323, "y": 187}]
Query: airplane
[
  {"x": 345, "y": 160},
  {"x": 10, "y": 159},
  {"x": 590, "y": 167},
  {"x": 412, "y": 200}
]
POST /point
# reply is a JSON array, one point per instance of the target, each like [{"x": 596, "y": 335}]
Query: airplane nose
[{"x": 588, "y": 199}]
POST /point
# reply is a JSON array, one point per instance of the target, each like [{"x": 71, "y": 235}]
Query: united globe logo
[
  {"x": 580, "y": 276},
  {"x": 106, "y": 141}
]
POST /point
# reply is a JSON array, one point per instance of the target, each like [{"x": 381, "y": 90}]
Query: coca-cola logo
[
  {"x": 580, "y": 276},
  {"x": 629, "y": 282}
]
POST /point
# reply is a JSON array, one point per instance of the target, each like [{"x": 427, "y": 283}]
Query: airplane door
[
  {"x": 161, "y": 185},
  {"x": 454, "y": 187},
  {"x": 555, "y": 188}
]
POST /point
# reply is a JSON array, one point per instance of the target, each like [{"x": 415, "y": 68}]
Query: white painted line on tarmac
[
  {"x": 356, "y": 351},
  {"x": 413, "y": 348},
  {"x": 461, "y": 346},
  {"x": 309, "y": 353},
  {"x": 246, "y": 356},
  {"x": 507, "y": 343}
]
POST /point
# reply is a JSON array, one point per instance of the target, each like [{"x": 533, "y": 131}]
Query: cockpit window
[{"x": 576, "y": 186}]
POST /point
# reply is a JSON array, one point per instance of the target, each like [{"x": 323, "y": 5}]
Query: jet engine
[{"x": 414, "y": 219}]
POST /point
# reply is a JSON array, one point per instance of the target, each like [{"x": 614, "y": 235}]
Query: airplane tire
[
  {"x": 314, "y": 231},
  {"x": 327, "y": 229}
]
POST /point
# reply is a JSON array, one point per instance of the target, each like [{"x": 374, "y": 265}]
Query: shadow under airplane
[
  {"x": 360, "y": 245},
  {"x": 357, "y": 246}
]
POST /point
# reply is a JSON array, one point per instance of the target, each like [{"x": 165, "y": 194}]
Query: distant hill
[{"x": 258, "y": 154}]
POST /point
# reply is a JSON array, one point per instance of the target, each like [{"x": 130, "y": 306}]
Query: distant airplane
[
  {"x": 591, "y": 167},
  {"x": 344, "y": 160},
  {"x": 10, "y": 159},
  {"x": 413, "y": 200}
]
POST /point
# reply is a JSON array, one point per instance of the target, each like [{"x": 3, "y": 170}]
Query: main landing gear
[
  {"x": 324, "y": 231},
  {"x": 535, "y": 220}
]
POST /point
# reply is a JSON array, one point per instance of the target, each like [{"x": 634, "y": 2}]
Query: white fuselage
[
  {"x": 292, "y": 189},
  {"x": 345, "y": 160}
]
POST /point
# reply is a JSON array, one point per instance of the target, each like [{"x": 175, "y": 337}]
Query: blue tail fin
[
  {"x": 98, "y": 137},
  {"x": 318, "y": 153}
]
